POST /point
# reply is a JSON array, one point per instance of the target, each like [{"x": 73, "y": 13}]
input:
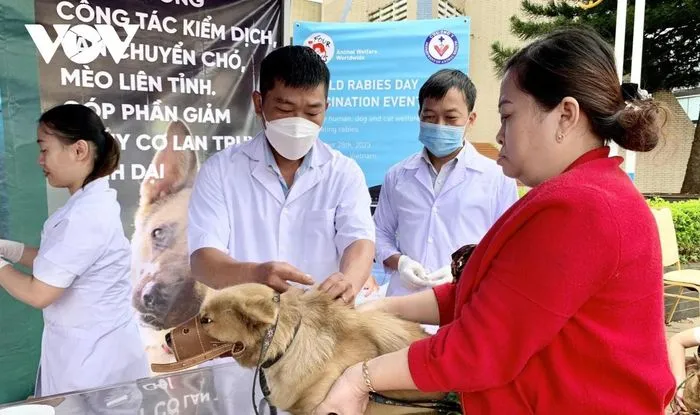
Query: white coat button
[
  {"x": 430, "y": 239},
  {"x": 434, "y": 209}
]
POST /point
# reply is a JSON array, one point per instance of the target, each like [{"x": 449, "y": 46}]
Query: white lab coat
[
  {"x": 238, "y": 206},
  {"x": 412, "y": 220},
  {"x": 90, "y": 337}
]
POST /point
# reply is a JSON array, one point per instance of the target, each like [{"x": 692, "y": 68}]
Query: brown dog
[
  {"x": 316, "y": 337},
  {"x": 165, "y": 293}
]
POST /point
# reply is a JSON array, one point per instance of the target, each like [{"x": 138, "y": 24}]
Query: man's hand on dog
[
  {"x": 338, "y": 287},
  {"x": 276, "y": 274}
]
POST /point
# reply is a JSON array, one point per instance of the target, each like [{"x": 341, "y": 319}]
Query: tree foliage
[{"x": 671, "y": 47}]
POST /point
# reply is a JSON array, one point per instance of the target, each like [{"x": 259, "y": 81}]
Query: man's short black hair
[
  {"x": 294, "y": 66},
  {"x": 440, "y": 82}
]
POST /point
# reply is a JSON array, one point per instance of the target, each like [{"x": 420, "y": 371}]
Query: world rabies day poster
[
  {"x": 172, "y": 80},
  {"x": 377, "y": 70}
]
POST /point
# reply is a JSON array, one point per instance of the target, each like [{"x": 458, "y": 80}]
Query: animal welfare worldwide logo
[
  {"x": 441, "y": 46},
  {"x": 322, "y": 44}
]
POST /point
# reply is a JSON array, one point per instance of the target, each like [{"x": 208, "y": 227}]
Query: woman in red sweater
[{"x": 559, "y": 310}]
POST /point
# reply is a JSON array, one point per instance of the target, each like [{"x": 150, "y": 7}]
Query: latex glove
[
  {"x": 412, "y": 273},
  {"x": 441, "y": 276},
  {"x": 11, "y": 250}
]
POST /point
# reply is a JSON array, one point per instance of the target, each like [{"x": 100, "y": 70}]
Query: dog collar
[{"x": 266, "y": 364}]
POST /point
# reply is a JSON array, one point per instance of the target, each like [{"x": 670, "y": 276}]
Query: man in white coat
[
  {"x": 442, "y": 198},
  {"x": 285, "y": 207}
]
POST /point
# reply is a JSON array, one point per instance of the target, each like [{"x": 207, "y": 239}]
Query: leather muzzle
[{"x": 192, "y": 346}]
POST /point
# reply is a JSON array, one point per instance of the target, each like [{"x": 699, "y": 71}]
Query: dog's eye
[
  {"x": 157, "y": 233},
  {"x": 205, "y": 320}
]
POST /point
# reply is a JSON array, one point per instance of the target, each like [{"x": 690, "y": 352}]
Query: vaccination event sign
[
  {"x": 171, "y": 78},
  {"x": 377, "y": 70}
]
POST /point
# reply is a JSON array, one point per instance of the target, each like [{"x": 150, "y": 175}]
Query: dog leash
[
  {"x": 446, "y": 406},
  {"x": 675, "y": 407},
  {"x": 259, "y": 374}
]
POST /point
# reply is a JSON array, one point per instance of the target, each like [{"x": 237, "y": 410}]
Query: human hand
[
  {"x": 381, "y": 304},
  {"x": 370, "y": 286},
  {"x": 441, "y": 276},
  {"x": 338, "y": 287},
  {"x": 412, "y": 273},
  {"x": 348, "y": 395},
  {"x": 678, "y": 398},
  {"x": 276, "y": 274},
  {"x": 11, "y": 250}
]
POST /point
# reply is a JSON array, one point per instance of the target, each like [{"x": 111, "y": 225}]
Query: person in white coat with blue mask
[
  {"x": 80, "y": 272},
  {"x": 442, "y": 198}
]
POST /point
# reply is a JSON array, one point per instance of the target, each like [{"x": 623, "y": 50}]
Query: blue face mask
[{"x": 441, "y": 140}]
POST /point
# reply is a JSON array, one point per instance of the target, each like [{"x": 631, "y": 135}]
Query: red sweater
[{"x": 560, "y": 308}]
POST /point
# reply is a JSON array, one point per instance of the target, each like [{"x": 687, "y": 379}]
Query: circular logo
[
  {"x": 82, "y": 44},
  {"x": 441, "y": 46},
  {"x": 322, "y": 44}
]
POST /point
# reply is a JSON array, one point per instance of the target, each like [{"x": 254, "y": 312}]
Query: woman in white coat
[{"x": 80, "y": 272}]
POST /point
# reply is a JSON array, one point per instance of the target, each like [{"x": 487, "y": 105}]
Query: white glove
[
  {"x": 412, "y": 273},
  {"x": 441, "y": 276},
  {"x": 11, "y": 250}
]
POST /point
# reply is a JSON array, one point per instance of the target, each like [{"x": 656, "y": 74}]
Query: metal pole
[
  {"x": 636, "y": 72},
  {"x": 620, "y": 26},
  {"x": 287, "y": 22},
  {"x": 637, "y": 41}
]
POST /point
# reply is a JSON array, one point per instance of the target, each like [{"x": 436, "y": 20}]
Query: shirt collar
[
  {"x": 596, "y": 153},
  {"x": 468, "y": 157},
  {"x": 271, "y": 162},
  {"x": 98, "y": 185}
]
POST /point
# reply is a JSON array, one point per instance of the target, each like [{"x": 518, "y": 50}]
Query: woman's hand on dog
[
  {"x": 348, "y": 395},
  {"x": 679, "y": 398},
  {"x": 376, "y": 305},
  {"x": 276, "y": 274}
]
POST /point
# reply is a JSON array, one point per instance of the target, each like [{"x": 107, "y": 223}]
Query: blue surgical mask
[{"x": 441, "y": 140}]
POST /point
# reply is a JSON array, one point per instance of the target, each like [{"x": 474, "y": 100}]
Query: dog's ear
[
  {"x": 258, "y": 310},
  {"x": 179, "y": 166}
]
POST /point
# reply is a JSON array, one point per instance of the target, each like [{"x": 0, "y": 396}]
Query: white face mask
[{"x": 291, "y": 137}]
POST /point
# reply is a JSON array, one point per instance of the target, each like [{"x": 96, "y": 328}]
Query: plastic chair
[{"x": 682, "y": 279}]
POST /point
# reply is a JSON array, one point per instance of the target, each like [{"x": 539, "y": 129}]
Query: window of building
[
  {"x": 424, "y": 9},
  {"x": 394, "y": 11},
  {"x": 446, "y": 9}
]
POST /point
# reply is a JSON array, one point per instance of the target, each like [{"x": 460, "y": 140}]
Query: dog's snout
[
  {"x": 169, "y": 340},
  {"x": 148, "y": 295},
  {"x": 148, "y": 300}
]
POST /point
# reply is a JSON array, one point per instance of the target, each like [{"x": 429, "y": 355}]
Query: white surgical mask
[{"x": 291, "y": 137}]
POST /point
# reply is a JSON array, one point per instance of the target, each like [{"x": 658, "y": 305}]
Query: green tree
[{"x": 670, "y": 55}]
